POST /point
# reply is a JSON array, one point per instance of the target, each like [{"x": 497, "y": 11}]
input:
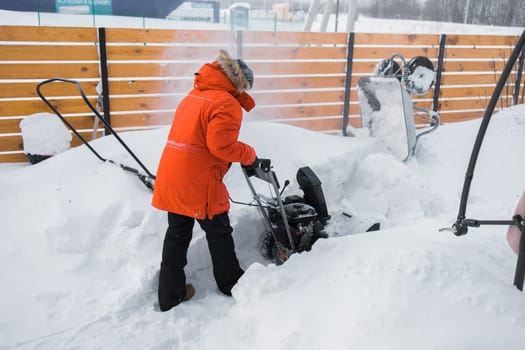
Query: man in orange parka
[{"x": 202, "y": 144}]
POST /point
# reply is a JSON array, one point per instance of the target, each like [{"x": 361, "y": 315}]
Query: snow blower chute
[
  {"x": 147, "y": 179},
  {"x": 387, "y": 110},
  {"x": 292, "y": 224},
  {"x": 460, "y": 227}
]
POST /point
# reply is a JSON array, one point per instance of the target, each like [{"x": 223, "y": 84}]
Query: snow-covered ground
[{"x": 80, "y": 249}]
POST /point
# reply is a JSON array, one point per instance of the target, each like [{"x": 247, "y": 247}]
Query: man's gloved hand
[{"x": 250, "y": 169}]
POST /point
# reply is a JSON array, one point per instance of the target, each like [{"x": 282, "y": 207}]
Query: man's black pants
[{"x": 226, "y": 268}]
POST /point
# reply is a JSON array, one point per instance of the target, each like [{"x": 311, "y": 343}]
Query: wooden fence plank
[
  {"x": 12, "y": 125},
  {"x": 150, "y": 118},
  {"x": 423, "y": 104},
  {"x": 147, "y": 103},
  {"x": 275, "y": 98},
  {"x": 185, "y": 85},
  {"x": 162, "y": 53},
  {"x": 142, "y": 119},
  {"x": 206, "y": 54},
  {"x": 476, "y": 103},
  {"x": 25, "y": 108},
  {"x": 177, "y": 70},
  {"x": 474, "y": 66},
  {"x": 355, "y": 109},
  {"x": 297, "y": 68},
  {"x": 396, "y": 39},
  {"x": 317, "y": 124},
  {"x": 295, "y": 53},
  {"x": 481, "y": 40},
  {"x": 297, "y": 38},
  {"x": 447, "y": 92},
  {"x": 469, "y": 79},
  {"x": 19, "y": 89},
  {"x": 459, "y": 116},
  {"x": 11, "y": 143},
  {"x": 15, "y": 143},
  {"x": 501, "y": 54},
  {"x": 359, "y": 67},
  {"x": 298, "y": 83},
  {"x": 165, "y": 118},
  {"x": 355, "y": 122},
  {"x": 379, "y": 53},
  {"x": 276, "y": 113},
  {"x": 142, "y": 70},
  {"x": 51, "y": 34},
  {"x": 48, "y": 70},
  {"x": 48, "y": 53},
  {"x": 449, "y": 66},
  {"x": 12, "y": 158},
  {"x": 169, "y": 36},
  {"x": 132, "y": 87},
  {"x": 473, "y": 91}
]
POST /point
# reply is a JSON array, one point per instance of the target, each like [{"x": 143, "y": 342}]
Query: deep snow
[{"x": 80, "y": 249}]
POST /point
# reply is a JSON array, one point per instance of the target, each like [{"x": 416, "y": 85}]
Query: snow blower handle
[
  {"x": 259, "y": 165},
  {"x": 265, "y": 164},
  {"x": 262, "y": 170},
  {"x": 147, "y": 179}
]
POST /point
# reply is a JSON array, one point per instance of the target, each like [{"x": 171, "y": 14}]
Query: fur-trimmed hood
[
  {"x": 211, "y": 76},
  {"x": 234, "y": 71}
]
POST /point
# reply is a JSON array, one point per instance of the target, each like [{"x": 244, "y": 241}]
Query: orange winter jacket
[{"x": 202, "y": 143}]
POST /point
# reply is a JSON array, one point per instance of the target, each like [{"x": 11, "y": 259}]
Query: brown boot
[
  {"x": 190, "y": 292},
  {"x": 166, "y": 305}
]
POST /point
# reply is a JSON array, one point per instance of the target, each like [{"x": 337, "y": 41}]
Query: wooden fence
[{"x": 303, "y": 79}]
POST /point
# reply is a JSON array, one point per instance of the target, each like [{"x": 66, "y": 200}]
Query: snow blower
[
  {"x": 460, "y": 227},
  {"x": 387, "y": 110},
  {"x": 147, "y": 179},
  {"x": 292, "y": 224}
]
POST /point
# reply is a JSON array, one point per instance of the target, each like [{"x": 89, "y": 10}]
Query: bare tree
[{"x": 489, "y": 12}]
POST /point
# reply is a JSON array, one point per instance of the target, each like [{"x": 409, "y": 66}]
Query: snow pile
[
  {"x": 382, "y": 106},
  {"x": 81, "y": 248},
  {"x": 44, "y": 134}
]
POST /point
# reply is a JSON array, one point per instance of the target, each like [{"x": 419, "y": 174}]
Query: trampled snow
[{"x": 81, "y": 247}]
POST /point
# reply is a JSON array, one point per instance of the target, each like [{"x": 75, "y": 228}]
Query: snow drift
[{"x": 81, "y": 248}]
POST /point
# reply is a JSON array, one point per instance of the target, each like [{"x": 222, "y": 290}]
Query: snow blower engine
[{"x": 293, "y": 223}]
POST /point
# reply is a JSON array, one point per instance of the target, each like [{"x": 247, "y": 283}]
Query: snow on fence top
[{"x": 301, "y": 78}]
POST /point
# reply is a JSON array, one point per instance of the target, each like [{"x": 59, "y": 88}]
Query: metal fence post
[
  {"x": 439, "y": 71},
  {"x": 516, "y": 92},
  {"x": 348, "y": 81},
  {"x": 238, "y": 43},
  {"x": 104, "y": 77}
]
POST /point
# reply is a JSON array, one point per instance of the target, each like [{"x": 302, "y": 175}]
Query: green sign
[{"x": 97, "y": 7}]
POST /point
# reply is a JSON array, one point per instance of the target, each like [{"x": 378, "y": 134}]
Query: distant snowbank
[
  {"x": 363, "y": 24},
  {"x": 381, "y": 25}
]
